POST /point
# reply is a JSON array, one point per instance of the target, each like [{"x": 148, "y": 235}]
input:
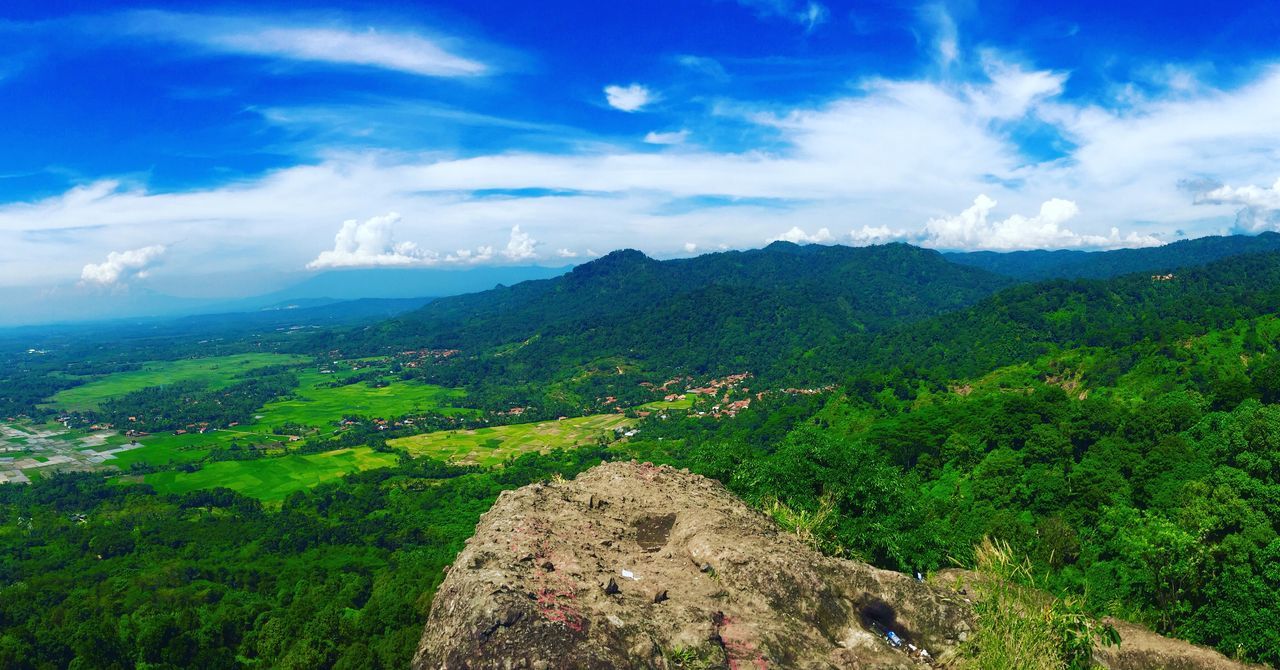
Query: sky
[{"x": 197, "y": 148}]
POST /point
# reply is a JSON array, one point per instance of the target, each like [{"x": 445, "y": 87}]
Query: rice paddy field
[
  {"x": 492, "y": 446},
  {"x": 272, "y": 479},
  {"x": 217, "y": 372},
  {"x": 317, "y": 405},
  {"x": 314, "y": 403}
]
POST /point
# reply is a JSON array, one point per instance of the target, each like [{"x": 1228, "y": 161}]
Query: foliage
[
  {"x": 100, "y": 575},
  {"x": 1019, "y": 626}
]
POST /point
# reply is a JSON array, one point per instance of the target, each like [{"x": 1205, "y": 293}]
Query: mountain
[
  {"x": 1028, "y": 320},
  {"x": 354, "y": 284},
  {"x": 724, "y": 311},
  {"x": 1071, "y": 264}
]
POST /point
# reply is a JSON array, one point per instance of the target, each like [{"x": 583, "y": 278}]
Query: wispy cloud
[
  {"x": 806, "y": 13},
  {"x": 264, "y": 36},
  {"x": 895, "y": 159},
  {"x": 671, "y": 137},
  {"x": 628, "y": 98}
]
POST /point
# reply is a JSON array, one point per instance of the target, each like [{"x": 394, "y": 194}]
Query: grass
[
  {"x": 319, "y": 406},
  {"x": 682, "y": 403},
  {"x": 1019, "y": 626},
  {"x": 314, "y": 405},
  {"x": 217, "y": 372},
  {"x": 492, "y": 446},
  {"x": 272, "y": 479}
]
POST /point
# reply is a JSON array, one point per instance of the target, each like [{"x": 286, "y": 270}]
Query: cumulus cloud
[
  {"x": 390, "y": 49},
  {"x": 673, "y": 137},
  {"x": 974, "y": 229},
  {"x": 690, "y": 247},
  {"x": 369, "y": 243},
  {"x": 1259, "y": 205},
  {"x": 521, "y": 245},
  {"x": 566, "y": 253},
  {"x": 481, "y": 254},
  {"x": 121, "y": 266},
  {"x": 868, "y": 235},
  {"x": 894, "y": 152},
  {"x": 799, "y": 236},
  {"x": 628, "y": 98}
]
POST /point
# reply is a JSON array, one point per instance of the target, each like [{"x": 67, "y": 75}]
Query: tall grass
[{"x": 1022, "y": 628}]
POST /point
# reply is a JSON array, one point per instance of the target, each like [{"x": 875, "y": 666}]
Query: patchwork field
[
  {"x": 491, "y": 446},
  {"x": 272, "y": 479},
  {"x": 217, "y": 372},
  {"x": 313, "y": 404}
]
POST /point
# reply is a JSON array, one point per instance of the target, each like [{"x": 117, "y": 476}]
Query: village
[{"x": 30, "y": 449}]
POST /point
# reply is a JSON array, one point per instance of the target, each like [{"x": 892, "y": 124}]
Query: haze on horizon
[{"x": 156, "y": 146}]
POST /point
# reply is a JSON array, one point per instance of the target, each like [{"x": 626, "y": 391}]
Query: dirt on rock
[{"x": 641, "y": 566}]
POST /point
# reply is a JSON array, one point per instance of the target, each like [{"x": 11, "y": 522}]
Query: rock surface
[{"x": 640, "y": 566}]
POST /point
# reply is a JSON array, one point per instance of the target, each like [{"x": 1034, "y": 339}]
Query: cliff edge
[{"x": 640, "y": 566}]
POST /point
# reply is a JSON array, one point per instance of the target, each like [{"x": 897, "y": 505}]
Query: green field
[
  {"x": 217, "y": 372},
  {"x": 319, "y": 406},
  {"x": 271, "y": 479},
  {"x": 491, "y": 446},
  {"x": 681, "y": 403},
  {"x": 313, "y": 404}
]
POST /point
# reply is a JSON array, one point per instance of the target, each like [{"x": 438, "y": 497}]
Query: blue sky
[{"x": 157, "y": 145}]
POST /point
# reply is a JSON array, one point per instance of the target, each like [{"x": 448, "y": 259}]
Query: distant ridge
[
  {"x": 734, "y": 309},
  {"x": 1074, "y": 264}
]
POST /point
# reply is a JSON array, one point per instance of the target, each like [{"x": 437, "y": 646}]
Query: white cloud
[
  {"x": 868, "y": 235},
  {"x": 566, "y": 253},
  {"x": 797, "y": 235},
  {"x": 481, "y": 254},
  {"x": 673, "y": 137},
  {"x": 369, "y": 243},
  {"x": 122, "y": 265},
  {"x": 690, "y": 247},
  {"x": 628, "y": 98},
  {"x": 1260, "y": 206},
  {"x": 972, "y": 229},
  {"x": 894, "y": 152},
  {"x": 807, "y": 13},
  {"x": 703, "y": 65},
  {"x": 521, "y": 245},
  {"x": 945, "y": 38},
  {"x": 390, "y": 49}
]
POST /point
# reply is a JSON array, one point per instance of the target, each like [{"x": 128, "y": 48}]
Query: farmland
[
  {"x": 215, "y": 372},
  {"x": 491, "y": 446},
  {"x": 318, "y": 405},
  {"x": 272, "y": 479}
]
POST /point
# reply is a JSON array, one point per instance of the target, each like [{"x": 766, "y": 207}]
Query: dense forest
[{"x": 1121, "y": 433}]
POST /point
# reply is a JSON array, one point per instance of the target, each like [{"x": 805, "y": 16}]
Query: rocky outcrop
[{"x": 639, "y": 566}]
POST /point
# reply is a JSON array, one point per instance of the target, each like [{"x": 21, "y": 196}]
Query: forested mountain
[
  {"x": 1072, "y": 264},
  {"x": 718, "y": 311},
  {"x": 1025, "y": 321}
]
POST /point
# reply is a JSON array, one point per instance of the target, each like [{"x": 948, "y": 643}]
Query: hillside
[
  {"x": 1029, "y": 320},
  {"x": 721, "y": 312},
  {"x": 1039, "y": 264}
]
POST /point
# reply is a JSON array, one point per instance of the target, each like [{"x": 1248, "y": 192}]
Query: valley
[{"x": 882, "y": 404}]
